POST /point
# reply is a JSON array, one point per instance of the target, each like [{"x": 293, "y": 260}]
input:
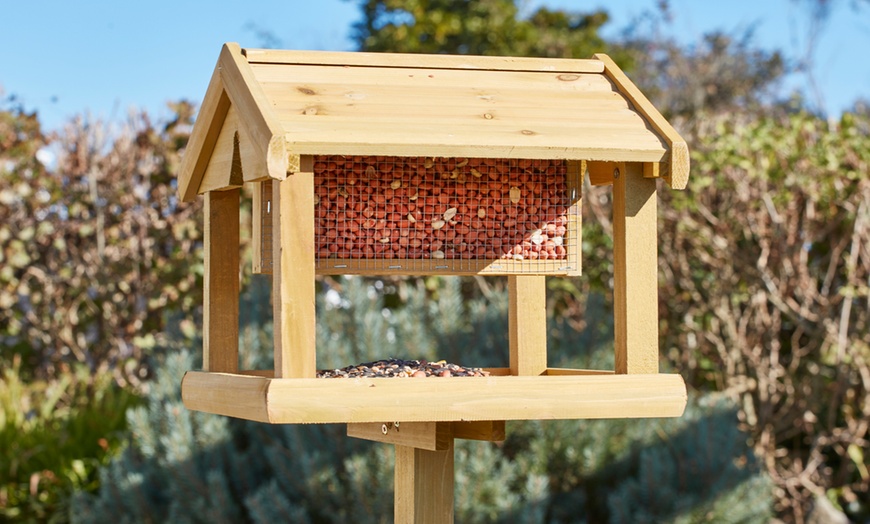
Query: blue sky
[{"x": 65, "y": 58}]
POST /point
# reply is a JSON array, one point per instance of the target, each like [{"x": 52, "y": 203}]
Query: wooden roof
[{"x": 265, "y": 108}]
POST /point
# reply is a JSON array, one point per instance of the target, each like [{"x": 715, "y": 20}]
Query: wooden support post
[
  {"x": 424, "y": 485},
  {"x": 293, "y": 274},
  {"x": 635, "y": 271},
  {"x": 527, "y": 324},
  {"x": 220, "y": 337},
  {"x": 261, "y": 220}
]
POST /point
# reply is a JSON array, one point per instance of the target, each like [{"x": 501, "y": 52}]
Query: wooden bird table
[{"x": 370, "y": 164}]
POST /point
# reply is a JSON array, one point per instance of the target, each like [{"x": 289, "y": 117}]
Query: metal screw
[
  {"x": 616, "y": 173},
  {"x": 396, "y": 425},
  {"x": 384, "y": 429}
]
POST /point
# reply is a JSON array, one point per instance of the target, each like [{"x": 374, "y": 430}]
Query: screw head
[{"x": 616, "y": 173}]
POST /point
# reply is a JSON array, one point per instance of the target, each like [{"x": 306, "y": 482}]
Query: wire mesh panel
[{"x": 445, "y": 215}]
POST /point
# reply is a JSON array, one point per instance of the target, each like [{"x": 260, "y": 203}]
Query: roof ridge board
[{"x": 424, "y": 61}]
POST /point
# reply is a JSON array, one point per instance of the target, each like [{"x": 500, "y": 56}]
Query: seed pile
[
  {"x": 376, "y": 207},
  {"x": 398, "y": 368}
]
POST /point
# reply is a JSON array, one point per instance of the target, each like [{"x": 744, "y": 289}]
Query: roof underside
[{"x": 331, "y": 109}]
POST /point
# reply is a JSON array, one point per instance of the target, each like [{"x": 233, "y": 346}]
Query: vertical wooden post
[
  {"x": 635, "y": 271},
  {"x": 423, "y": 485},
  {"x": 527, "y": 324},
  {"x": 261, "y": 220},
  {"x": 220, "y": 337},
  {"x": 293, "y": 274}
]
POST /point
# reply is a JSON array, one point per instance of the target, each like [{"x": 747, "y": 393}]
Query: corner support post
[{"x": 635, "y": 271}]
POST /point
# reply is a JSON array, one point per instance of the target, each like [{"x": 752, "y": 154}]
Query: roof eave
[
  {"x": 200, "y": 145},
  {"x": 233, "y": 84},
  {"x": 677, "y": 165}
]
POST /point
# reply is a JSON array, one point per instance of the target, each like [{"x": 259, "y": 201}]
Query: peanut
[{"x": 380, "y": 206}]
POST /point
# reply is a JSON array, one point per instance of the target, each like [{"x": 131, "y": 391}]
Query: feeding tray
[{"x": 380, "y": 164}]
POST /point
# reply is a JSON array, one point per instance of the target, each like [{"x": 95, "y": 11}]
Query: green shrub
[{"x": 55, "y": 436}]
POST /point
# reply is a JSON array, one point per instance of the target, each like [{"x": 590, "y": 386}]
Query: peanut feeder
[{"x": 422, "y": 164}]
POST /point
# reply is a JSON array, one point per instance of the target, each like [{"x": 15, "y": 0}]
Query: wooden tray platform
[{"x": 556, "y": 395}]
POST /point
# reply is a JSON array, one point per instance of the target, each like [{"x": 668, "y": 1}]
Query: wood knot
[
  {"x": 306, "y": 90},
  {"x": 568, "y": 77}
]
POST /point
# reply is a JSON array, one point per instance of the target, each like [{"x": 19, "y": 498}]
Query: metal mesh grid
[{"x": 383, "y": 212}]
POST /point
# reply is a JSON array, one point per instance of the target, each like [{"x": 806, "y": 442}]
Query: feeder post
[
  {"x": 423, "y": 485},
  {"x": 635, "y": 271},
  {"x": 220, "y": 337}
]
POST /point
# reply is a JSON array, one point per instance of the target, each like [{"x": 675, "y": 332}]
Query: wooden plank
[
  {"x": 579, "y": 109},
  {"x": 677, "y": 175},
  {"x": 602, "y": 173},
  {"x": 359, "y": 138},
  {"x": 317, "y": 400},
  {"x": 433, "y": 436},
  {"x": 555, "y": 372},
  {"x": 602, "y": 107},
  {"x": 601, "y": 136},
  {"x": 342, "y": 266},
  {"x": 500, "y": 63},
  {"x": 313, "y": 80},
  {"x": 201, "y": 143},
  {"x": 527, "y": 324},
  {"x": 261, "y": 220},
  {"x": 220, "y": 317},
  {"x": 566, "y": 118},
  {"x": 486, "y": 430},
  {"x": 236, "y": 396},
  {"x": 635, "y": 272},
  {"x": 255, "y": 112},
  {"x": 423, "y": 486},
  {"x": 258, "y": 208},
  {"x": 293, "y": 275}
]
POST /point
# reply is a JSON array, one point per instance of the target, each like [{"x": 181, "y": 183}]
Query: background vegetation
[{"x": 764, "y": 303}]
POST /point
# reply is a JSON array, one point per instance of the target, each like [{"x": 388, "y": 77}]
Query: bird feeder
[{"x": 378, "y": 164}]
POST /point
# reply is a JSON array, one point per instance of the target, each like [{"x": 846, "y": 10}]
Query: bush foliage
[
  {"x": 95, "y": 250},
  {"x": 765, "y": 268},
  {"x": 55, "y": 435}
]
